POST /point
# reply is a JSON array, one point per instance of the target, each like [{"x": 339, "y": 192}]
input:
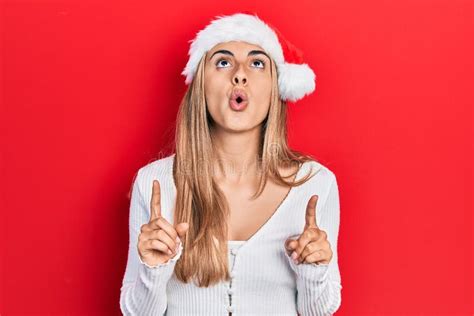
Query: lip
[
  {"x": 238, "y": 106},
  {"x": 235, "y": 94},
  {"x": 239, "y": 93}
]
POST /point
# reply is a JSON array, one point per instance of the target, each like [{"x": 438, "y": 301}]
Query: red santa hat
[{"x": 295, "y": 78}]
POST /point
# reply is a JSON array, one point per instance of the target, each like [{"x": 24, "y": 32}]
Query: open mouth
[
  {"x": 239, "y": 95},
  {"x": 238, "y": 103},
  {"x": 238, "y": 100}
]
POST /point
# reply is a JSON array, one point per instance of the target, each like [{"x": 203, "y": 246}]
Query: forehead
[{"x": 236, "y": 47}]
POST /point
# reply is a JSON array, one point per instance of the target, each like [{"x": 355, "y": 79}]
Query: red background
[{"x": 90, "y": 92}]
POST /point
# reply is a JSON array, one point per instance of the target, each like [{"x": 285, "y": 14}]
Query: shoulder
[
  {"x": 322, "y": 173},
  {"x": 322, "y": 180},
  {"x": 160, "y": 169}
]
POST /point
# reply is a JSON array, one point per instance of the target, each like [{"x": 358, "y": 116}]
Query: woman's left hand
[{"x": 312, "y": 245}]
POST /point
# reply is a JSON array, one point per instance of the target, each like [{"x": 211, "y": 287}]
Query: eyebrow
[{"x": 251, "y": 53}]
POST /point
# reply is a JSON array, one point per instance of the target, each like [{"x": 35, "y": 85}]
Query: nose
[{"x": 239, "y": 77}]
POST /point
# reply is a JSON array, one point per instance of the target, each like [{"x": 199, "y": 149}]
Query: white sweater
[{"x": 265, "y": 280}]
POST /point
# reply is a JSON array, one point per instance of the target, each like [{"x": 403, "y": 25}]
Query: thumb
[{"x": 182, "y": 229}]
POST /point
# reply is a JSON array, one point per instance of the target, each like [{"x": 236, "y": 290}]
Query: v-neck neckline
[{"x": 277, "y": 211}]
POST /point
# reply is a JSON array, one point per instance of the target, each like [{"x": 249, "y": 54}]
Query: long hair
[{"x": 199, "y": 201}]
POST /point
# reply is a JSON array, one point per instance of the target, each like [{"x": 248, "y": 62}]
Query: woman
[{"x": 235, "y": 222}]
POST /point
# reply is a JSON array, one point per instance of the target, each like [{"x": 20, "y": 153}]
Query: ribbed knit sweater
[{"x": 264, "y": 279}]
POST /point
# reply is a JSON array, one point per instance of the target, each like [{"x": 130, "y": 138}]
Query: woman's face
[{"x": 233, "y": 67}]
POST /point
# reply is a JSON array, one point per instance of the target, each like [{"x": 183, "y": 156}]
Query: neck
[{"x": 236, "y": 155}]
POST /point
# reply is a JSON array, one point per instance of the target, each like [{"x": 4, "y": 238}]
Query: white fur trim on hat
[{"x": 295, "y": 80}]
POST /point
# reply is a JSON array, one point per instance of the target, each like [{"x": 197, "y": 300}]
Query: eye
[
  {"x": 262, "y": 63},
  {"x": 219, "y": 63}
]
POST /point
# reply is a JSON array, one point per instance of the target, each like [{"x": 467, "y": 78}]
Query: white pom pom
[{"x": 295, "y": 81}]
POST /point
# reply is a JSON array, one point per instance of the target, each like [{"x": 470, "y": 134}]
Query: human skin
[
  {"x": 223, "y": 73},
  {"x": 236, "y": 133},
  {"x": 245, "y": 66}
]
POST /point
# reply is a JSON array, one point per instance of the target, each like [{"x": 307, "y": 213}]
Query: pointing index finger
[
  {"x": 155, "y": 203},
  {"x": 311, "y": 212}
]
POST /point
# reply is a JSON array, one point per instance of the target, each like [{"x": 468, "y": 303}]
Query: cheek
[
  {"x": 214, "y": 88},
  {"x": 263, "y": 91}
]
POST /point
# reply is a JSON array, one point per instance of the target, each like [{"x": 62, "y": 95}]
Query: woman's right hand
[{"x": 159, "y": 240}]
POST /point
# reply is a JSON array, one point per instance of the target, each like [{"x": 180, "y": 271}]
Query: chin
[{"x": 240, "y": 126}]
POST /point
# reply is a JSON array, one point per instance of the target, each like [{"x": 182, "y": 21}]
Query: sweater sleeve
[
  {"x": 143, "y": 290},
  {"x": 319, "y": 285}
]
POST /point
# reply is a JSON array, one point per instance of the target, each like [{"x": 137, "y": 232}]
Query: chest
[{"x": 248, "y": 215}]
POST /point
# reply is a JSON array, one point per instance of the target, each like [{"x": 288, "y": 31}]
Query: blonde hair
[{"x": 199, "y": 201}]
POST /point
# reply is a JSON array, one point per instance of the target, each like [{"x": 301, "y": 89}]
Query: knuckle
[
  {"x": 158, "y": 244},
  {"x": 325, "y": 235},
  {"x": 292, "y": 242},
  {"x": 160, "y": 234},
  {"x": 300, "y": 248},
  {"x": 328, "y": 244}
]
